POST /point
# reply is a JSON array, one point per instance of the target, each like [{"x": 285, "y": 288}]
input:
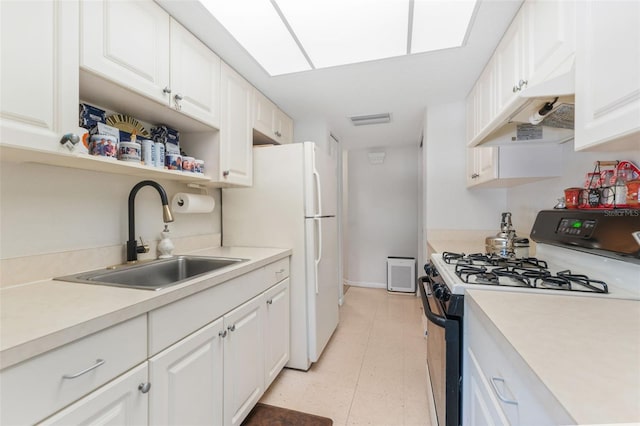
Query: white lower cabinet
[
  {"x": 243, "y": 361},
  {"x": 276, "y": 330},
  {"x": 482, "y": 407},
  {"x": 122, "y": 402},
  {"x": 499, "y": 388},
  {"x": 187, "y": 380}
]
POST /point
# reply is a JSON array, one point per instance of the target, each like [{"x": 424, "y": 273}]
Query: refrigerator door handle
[
  {"x": 316, "y": 177},
  {"x": 317, "y": 260}
]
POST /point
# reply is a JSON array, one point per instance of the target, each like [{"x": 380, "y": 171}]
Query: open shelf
[{"x": 95, "y": 163}]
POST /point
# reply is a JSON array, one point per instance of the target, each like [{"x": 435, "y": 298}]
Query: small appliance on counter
[{"x": 506, "y": 244}]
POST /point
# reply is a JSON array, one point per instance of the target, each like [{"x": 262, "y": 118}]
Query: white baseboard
[{"x": 365, "y": 284}]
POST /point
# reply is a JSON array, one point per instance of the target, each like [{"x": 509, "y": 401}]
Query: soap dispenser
[{"x": 165, "y": 246}]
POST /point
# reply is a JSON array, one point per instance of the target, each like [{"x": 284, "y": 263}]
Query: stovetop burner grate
[{"x": 530, "y": 272}]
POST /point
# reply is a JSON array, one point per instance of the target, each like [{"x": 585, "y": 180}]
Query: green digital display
[{"x": 577, "y": 224}]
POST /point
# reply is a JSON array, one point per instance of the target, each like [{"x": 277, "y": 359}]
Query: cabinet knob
[
  {"x": 178, "y": 97},
  {"x": 475, "y": 176},
  {"x": 223, "y": 334},
  {"x": 144, "y": 387},
  {"x": 167, "y": 90},
  {"x": 522, "y": 84},
  {"x": 232, "y": 327},
  {"x": 514, "y": 89},
  {"x": 225, "y": 173},
  {"x": 278, "y": 134},
  {"x": 270, "y": 302}
]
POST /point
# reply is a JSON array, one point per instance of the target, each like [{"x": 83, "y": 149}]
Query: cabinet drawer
[
  {"x": 277, "y": 271},
  {"x": 42, "y": 385}
]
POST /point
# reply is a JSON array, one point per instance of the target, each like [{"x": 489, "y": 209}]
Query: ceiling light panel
[
  {"x": 256, "y": 25},
  {"x": 338, "y": 32},
  {"x": 440, "y": 24}
]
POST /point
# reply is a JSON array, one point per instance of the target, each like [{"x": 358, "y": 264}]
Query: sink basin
[{"x": 154, "y": 275}]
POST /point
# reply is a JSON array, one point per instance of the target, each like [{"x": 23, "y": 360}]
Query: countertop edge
[{"x": 20, "y": 352}]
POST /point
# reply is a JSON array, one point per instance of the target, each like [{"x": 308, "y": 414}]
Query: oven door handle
[{"x": 434, "y": 318}]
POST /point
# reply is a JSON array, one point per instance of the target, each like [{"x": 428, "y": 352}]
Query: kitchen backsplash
[{"x": 61, "y": 212}]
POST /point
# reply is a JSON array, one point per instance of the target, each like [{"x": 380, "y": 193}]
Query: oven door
[{"x": 443, "y": 355}]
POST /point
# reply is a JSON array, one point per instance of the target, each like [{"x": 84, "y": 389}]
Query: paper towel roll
[{"x": 184, "y": 202}]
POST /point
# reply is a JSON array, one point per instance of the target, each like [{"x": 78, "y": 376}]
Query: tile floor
[{"x": 372, "y": 372}]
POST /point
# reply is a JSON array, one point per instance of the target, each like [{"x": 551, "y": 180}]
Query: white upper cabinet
[
  {"x": 127, "y": 42},
  {"x": 39, "y": 73},
  {"x": 550, "y": 37},
  {"x": 504, "y": 166},
  {"x": 137, "y": 45},
  {"x": 269, "y": 120},
  {"x": 608, "y": 75},
  {"x": 236, "y": 155},
  {"x": 539, "y": 45},
  {"x": 510, "y": 58},
  {"x": 195, "y": 77}
]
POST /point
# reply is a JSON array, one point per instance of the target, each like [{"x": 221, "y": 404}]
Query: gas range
[{"x": 554, "y": 270}]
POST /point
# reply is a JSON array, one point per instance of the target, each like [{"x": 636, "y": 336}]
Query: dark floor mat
[{"x": 268, "y": 415}]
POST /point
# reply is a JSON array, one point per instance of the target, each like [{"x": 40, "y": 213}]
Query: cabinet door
[
  {"x": 195, "y": 77},
  {"x": 510, "y": 65},
  {"x": 119, "y": 403},
  {"x": 235, "y": 128},
  {"x": 263, "y": 114},
  {"x": 481, "y": 407},
  {"x": 276, "y": 330},
  {"x": 551, "y": 33},
  {"x": 482, "y": 165},
  {"x": 607, "y": 70},
  {"x": 243, "y": 361},
  {"x": 38, "y": 72},
  {"x": 187, "y": 380},
  {"x": 127, "y": 42},
  {"x": 283, "y": 127}
]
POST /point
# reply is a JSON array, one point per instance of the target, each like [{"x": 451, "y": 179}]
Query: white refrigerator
[{"x": 293, "y": 204}]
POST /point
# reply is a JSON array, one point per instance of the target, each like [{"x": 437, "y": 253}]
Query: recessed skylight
[{"x": 286, "y": 36}]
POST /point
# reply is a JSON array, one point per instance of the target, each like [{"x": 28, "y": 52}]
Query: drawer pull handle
[
  {"x": 144, "y": 387},
  {"x": 497, "y": 391},
  {"x": 280, "y": 271},
  {"x": 98, "y": 363},
  {"x": 270, "y": 302}
]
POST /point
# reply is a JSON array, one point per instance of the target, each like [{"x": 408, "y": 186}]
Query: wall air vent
[{"x": 365, "y": 120}]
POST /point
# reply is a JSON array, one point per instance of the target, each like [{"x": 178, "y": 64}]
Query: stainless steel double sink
[{"x": 153, "y": 275}]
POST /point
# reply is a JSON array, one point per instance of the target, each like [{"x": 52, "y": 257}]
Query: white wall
[
  {"x": 382, "y": 214},
  {"x": 525, "y": 201},
  {"x": 45, "y": 209},
  {"x": 449, "y": 204}
]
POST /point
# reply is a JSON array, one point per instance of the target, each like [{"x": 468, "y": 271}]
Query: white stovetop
[{"x": 622, "y": 278}]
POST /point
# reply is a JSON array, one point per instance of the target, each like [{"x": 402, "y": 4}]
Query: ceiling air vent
[{"x": 365, "y": 120}]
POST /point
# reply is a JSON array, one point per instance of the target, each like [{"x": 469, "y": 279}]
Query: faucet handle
[{"x": 142, "y": 248}]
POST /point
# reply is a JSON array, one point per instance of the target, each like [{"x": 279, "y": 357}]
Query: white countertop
[
  {"x": 585, "y": 350},
  {"x": 40, "y": 316}
]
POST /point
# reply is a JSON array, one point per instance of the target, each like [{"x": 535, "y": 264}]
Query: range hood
[{"x": 542, "y": 112}]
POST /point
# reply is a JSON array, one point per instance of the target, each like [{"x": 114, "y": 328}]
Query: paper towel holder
[{"x": 199, "y": 186}]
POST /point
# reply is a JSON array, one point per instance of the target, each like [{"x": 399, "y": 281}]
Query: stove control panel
[{"x": 576, "y": 227}]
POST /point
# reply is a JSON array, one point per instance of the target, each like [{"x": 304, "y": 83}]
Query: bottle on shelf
[{"x": 620, "y": 188}]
